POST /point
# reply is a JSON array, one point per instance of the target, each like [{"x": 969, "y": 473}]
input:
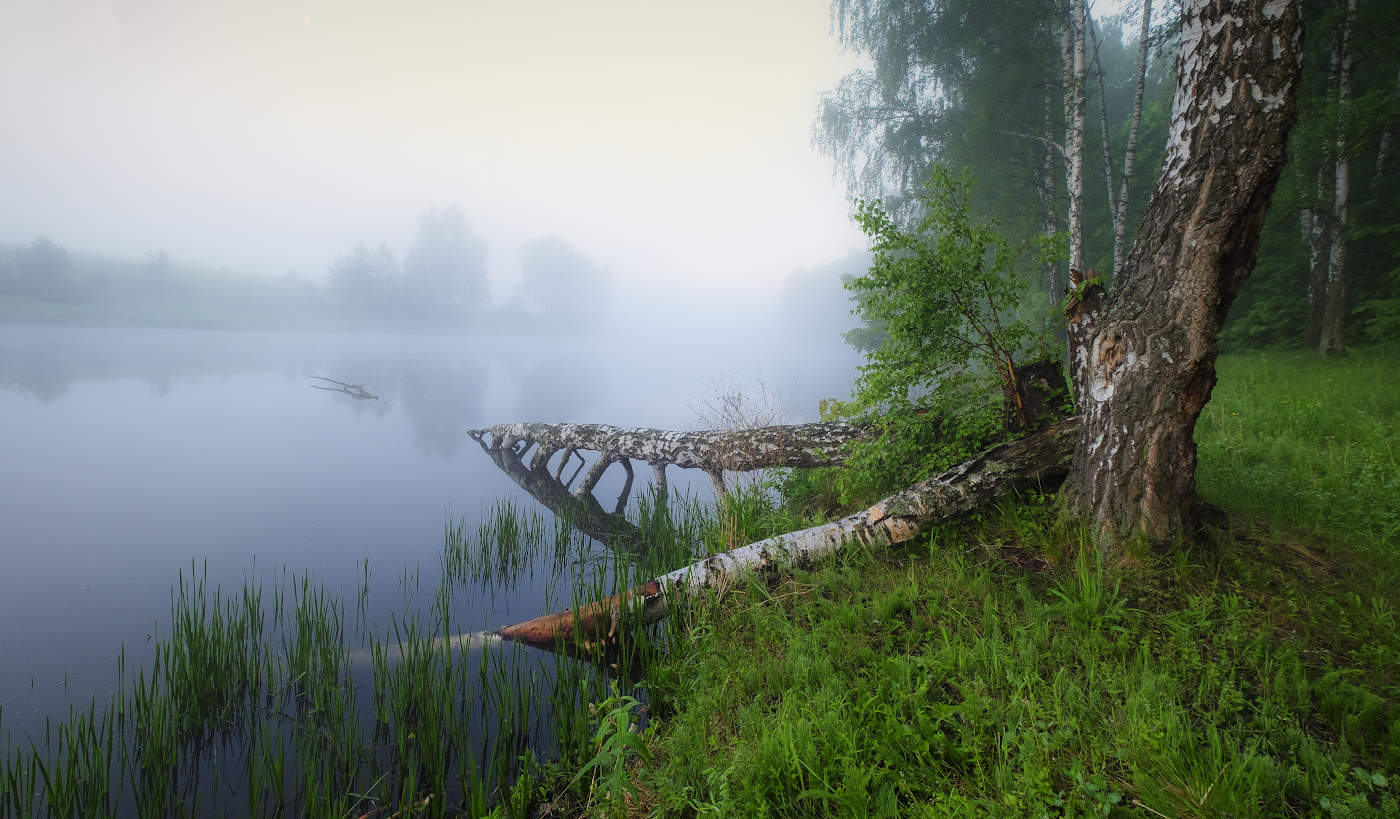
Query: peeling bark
[
  {"x": 1035, "y": 461},
  {"x": 799, "y": 445},
  {"x": 1143, "y": 360}
]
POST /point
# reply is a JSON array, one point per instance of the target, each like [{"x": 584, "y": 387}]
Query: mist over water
[{"x": 132, "y": 454}]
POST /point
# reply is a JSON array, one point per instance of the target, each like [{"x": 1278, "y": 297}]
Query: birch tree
[
  {"x": 1332, "y": 335},
  {"x": 1143, "y": 357}
]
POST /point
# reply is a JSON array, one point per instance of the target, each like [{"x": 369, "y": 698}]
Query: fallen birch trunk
[
  {"x": 1028, "y": 462},
  {"x": 713, "y": 451},
  {"x": 800, "y": 445}
]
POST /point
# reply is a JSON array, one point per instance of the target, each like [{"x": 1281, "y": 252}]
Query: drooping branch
[
  {"x": 581, "y": 509},
  {"x": 1033, "y": 461}
]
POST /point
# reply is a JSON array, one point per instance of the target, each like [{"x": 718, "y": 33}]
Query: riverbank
[{"x": 997, "y": 668}]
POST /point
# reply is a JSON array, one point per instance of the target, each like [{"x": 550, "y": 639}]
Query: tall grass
[
  {"x": 998, "y": 668},
  {"x": 256, "y": 703}
]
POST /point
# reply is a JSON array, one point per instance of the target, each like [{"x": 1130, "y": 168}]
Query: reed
[{"x": 251, "y": 704}]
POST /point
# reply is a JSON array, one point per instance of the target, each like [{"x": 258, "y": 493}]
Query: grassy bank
[{"x": 995, "y": 668}]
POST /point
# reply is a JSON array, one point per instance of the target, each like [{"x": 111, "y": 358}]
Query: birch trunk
[
  {"x": 1143, "y": 361},
  {"x": 1033, "y": 461},
  {"x": 1332, "y": 340},
  {"x": 1072, "y": 48},
  {"x": 798, "y": 445},
  {"x": 1316, "y": 219},
  {"x": 1120, "y": 214}
]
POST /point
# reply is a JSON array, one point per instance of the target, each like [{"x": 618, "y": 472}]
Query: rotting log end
[{"x": 594, "y": 620}]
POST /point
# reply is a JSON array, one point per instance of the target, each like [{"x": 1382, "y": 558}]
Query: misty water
[{"x": 128, "y": 456}]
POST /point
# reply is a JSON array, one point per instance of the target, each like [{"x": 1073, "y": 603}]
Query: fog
[
  {"x": 669, "y": 143},
  {"x": 482, "y": 213}
]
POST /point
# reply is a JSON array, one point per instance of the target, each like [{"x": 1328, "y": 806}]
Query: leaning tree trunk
[{"x": 1143, "y": 360}]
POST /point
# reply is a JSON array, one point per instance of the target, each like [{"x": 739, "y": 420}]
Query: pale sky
[{"x": 670, "y": 141}]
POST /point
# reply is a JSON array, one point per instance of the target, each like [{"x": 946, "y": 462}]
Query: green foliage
[
  {"x": 945, "y": 294},
  {"x": 976, "y": 85},
  {"x": 617, "y": 741},
  {"x": 1272, "y": 306},
  {"x": 1383, "y": 314},
  {"x": 999, "y": 668}
]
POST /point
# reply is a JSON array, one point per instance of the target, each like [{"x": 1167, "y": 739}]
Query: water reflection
[
  {"x": 128, "y": 454},
  {"x": 438, "y": 382}
]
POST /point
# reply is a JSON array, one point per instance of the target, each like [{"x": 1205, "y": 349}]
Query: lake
[{"x": 132, "y": 457}]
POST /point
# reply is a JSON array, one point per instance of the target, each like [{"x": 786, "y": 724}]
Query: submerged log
[{"x": 1038, "y": 460}]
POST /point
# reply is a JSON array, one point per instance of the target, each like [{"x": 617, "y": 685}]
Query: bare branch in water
[{"x": 352, "y": 390}]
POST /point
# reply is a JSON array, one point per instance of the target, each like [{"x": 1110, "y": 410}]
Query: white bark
[
  {"x": 798, "y": 445},
  {"x": 1043, "y": 457},
  {"x": 1072, "y": 50},
  {"x": 1315, "y": 220}
]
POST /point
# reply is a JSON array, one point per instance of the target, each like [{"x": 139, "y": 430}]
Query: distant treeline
[{"x": 439, "y": 284}]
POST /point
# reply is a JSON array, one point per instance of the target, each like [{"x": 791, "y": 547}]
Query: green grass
[{"x": 995, "y": 668}]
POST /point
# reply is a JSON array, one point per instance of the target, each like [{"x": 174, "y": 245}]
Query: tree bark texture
[
  {"x": 1035, "y": 461},
  {"x": 1143, "y": 360},
  {"x": 527, "y": 453},
  {"x": 1072, "y": 48},
  {"x": 797, "y": 445}
]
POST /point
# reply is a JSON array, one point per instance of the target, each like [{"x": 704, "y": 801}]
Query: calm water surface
[{"x": 128, "y": 456}]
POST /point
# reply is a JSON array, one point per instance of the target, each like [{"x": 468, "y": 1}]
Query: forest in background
[
  {"x": 1059, "y": 145},
  {"x": 1063, "y": 128},
  {"x": 438, "y": 284}
]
